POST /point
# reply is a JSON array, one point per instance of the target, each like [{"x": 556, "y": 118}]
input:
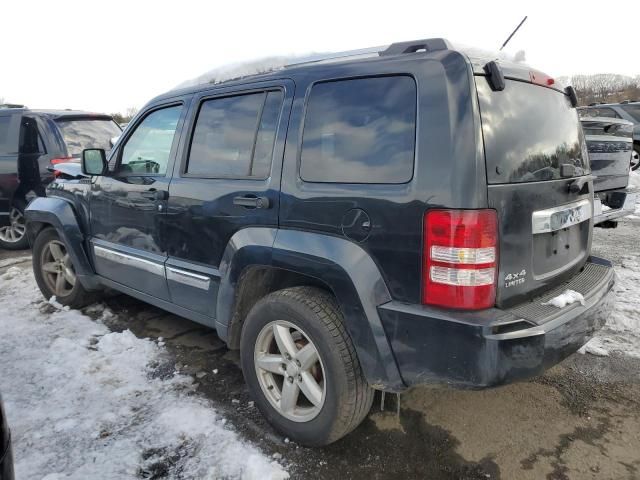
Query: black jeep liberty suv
[{"x": 356, "y": 223}]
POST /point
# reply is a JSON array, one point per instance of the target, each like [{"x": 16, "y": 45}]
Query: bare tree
[
  {"x": 130, "y": 113},
  {"x": 604, "y": 87}
]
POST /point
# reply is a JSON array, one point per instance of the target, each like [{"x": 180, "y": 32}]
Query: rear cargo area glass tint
[{"x": 529, "y": 132}]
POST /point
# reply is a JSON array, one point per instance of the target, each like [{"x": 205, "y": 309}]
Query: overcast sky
[{"x": 109, "y": 55}]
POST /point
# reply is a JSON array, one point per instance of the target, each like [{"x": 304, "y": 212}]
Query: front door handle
[
  {"x": 252, "y": 202},
  {"x": 155, "y": 194}
]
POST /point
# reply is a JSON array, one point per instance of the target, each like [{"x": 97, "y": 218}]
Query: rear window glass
[
  {"x": 81, "y": 134},
  {"x": 360, "y": 131},
  {"x": 529, "y": 132}
]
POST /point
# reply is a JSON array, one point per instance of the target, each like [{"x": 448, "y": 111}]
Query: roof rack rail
[
  {"x": 336, "y": 56},
  {"x": 11, "y": 105},
  {"x": 427, "y": 44}
]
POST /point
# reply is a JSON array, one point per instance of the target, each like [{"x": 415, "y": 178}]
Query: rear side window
[
  {"x": 30, "y": 139},
  {"x": 87, "y": 133},
  {"x": 234, "y": 136},
  {"x": 360, "y": 131},
  {"x": 9, "y": 133}
]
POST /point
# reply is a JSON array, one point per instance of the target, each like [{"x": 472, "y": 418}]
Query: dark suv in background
[
  {"x": 628, "y": 110},
  {"x": 31, "y": 143},
  {"x": 370, "y": 221}
]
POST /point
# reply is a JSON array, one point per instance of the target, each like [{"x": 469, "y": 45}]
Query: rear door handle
[
  {"x": 155, "y": 194},
  {"x": 252, "y": 202}
]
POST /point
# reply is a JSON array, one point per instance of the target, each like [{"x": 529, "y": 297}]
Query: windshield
[
  {"x": 633, "y": 110},
  {"x": 529, "y": 133},
  {"x": 87, "y": 133}
]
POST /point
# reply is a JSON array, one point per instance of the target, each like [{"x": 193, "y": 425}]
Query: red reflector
[
  {"x": 460, "y": 258},
  {"x": 55, "y": 161},
  {"x": 540, "y": 78}
]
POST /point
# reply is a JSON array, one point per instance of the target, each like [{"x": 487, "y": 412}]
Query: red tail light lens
[
  {"x": 460, "y": 258},
  {"x": 55, "y": 161}
]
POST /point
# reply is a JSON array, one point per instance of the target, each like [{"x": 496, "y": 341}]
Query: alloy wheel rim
[
  {"x": 290, "y": 371},
  {"x": 635, "y": 159},
  {"x": 57, "y": 269},
  {"x": 15, "y": 231}
]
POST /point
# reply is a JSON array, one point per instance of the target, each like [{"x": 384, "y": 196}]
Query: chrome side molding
[
  {"x": 129, "y": 260},
  {"x": 188, "y": 278},
  {"x": 557, "y": 218}
]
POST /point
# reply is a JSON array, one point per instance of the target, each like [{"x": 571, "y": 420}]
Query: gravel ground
[{"x": 580, "y": 420}]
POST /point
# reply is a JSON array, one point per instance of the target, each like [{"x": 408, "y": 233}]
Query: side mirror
[{"x": 94, "y": 161}]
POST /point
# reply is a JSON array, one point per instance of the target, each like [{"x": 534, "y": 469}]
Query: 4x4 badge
[{"x": 512, "y": 279}]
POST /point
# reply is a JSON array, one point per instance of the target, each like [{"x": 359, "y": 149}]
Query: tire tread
[{"x": 358, "y": 398}]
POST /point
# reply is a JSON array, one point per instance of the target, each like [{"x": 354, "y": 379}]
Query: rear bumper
[
  {"x": 494, "y": 347},
  {"x": 614, "y": 204}
]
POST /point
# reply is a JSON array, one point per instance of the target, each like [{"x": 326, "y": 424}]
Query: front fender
[
  {"x": 343, "y": 266},
  {"x": 59, "y": 214}
]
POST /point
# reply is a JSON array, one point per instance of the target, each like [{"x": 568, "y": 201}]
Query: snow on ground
[
  {"x": 621, "y": 333},
  {"x": 84, "y": 402}
]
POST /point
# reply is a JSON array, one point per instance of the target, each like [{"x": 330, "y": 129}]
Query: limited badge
[{"x": 513, "y": 279}]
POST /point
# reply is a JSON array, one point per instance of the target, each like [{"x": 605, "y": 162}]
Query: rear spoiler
[
  {"x": 496, "y": 74},
  {"x": 83, "y": 116}
]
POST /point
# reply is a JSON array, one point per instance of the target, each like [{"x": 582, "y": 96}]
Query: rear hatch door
[{"x": 535, "y": 152}]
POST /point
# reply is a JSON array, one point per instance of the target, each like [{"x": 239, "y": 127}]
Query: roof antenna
[{"x": 513, "y": 33}]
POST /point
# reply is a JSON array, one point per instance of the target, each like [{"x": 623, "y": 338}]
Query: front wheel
[
  {"x": 301, "y": 366},
  {"x": 55, "y": 273}
]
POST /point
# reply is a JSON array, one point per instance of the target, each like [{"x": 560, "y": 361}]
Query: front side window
[
  {"x": 234, "y": 136},
  {"x": 360, "y": 131},
  {"x": 148, "y": 149}
]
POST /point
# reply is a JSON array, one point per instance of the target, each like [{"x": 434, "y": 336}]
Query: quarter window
[
  {"x": 234, "y": 136},
  {"x": 148, "y": 148},
  {"x": 360, "y": 131}
]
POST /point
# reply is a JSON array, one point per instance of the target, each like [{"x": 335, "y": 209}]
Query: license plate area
[
  {"x": 560, "y": 238},
  {"x": 564, "y": 216}
]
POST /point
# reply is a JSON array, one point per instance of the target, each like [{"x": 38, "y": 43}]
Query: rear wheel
[
  {"x": 635, "y": 157},
  {"x": 14, "y": 235},
  {"x": 301, "y": 366},
  {"x": 55, "y": 273}
]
